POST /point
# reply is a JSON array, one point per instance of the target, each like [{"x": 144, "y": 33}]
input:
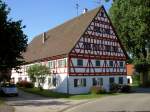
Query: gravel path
[{"x": 27, "y": 102}]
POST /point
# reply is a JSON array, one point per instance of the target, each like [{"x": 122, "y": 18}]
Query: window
[
  {"x": 120, "y": 80},
  {"x": 79, "y": 62},
  {"x": 110, "y": 63},
  {"x": 107, "y": 31},
  {"x": 98, "y": 63},
  {"x": 96, "y": 47},
  {"x": 97, "y": 81},
  {"x": 94, "y": 82},
  {"x": 96, "y": 29},
  {"x": 80, "y": 82},
  {"x": 99, "y": 29},
  {"x": 26, "y": 68},
  {"x": 121, "y": 64},
  {"x": 55, "y": 80},
  {"x": 108, "y": 48},
  {"x": 62, "y": 63},
  {"x": 19, "y": 79},
  {"x": 87, "y": 46},
  {"x": 51, "y": 64},
  {"x": 102, "y": 14},
  {"x": 100, "y": 81},
  {"x": 111, "y": 80},
  {"x": 49, "y": 81},
  {"x": 114, "y": 48}
]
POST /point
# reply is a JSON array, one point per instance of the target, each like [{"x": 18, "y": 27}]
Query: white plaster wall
[
  {"x": 130, "y": 78},
  {"x": 23, "y": 74},
  {"x": 78, "y": 90},
  {"x": 61, "y": 86},
  {"x": 20, "y": 74},
  {"x": 78, "y": 69}
]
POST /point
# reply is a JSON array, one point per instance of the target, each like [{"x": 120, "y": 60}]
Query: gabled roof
[{"x": 61, "y": 39}]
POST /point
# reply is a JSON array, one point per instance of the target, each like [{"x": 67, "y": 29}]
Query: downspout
[{"x": 68, "y": 68}]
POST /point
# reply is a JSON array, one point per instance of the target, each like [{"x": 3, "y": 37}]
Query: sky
[{"x": 41, "y": 15}]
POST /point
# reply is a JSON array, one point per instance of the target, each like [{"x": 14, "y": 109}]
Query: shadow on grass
[{"x": 51, "y": 94}]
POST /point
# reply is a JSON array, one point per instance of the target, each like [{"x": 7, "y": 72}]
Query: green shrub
[
  {"x": 126, "y": 88},
  {"x": 136, "y": 80},
  {"x": 120, "y": 88},
  {"x": 115, "y": 87},
  {"x": 25, "y": 84},
  {"x": 97, "y": 90}
]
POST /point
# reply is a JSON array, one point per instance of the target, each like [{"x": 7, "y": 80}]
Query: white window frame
[
  {"x": 51, "y": 64},
  {"x": 62, "y": 63},
  {"x": 80, "y": 82},
  {"x": 99, "y": 81}
]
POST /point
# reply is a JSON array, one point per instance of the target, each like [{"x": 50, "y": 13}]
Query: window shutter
[
  {"x": 84, "y": 82},
  {"x": 75, "y": 82}
]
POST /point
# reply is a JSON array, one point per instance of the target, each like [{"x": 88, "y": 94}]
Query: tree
[
  {"x": 13, "y": 42},
  {"x": 38, "y": 73},
  {"x": 131, "y": 19}
]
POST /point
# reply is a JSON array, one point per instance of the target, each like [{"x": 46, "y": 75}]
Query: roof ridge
[
  {"x": 69, "y": 20},
  {"x": 61, "y": 39}
]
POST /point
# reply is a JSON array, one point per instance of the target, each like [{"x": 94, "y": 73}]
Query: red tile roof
[{"x": 59, "y": 40}]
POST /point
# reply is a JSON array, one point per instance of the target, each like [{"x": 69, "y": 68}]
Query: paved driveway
[
  {"x": 139, "y": 101},
  {"x": 26, "y": 102}
]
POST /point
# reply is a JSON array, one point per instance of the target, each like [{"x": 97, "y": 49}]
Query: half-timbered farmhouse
[{"x": 81, "y": 53}]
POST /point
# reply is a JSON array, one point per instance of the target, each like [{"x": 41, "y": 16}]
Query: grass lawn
[
  {"x": 48, "y": 93},
  {"x": 1, "y": 102}
]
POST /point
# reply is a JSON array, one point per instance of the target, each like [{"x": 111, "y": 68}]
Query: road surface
[{"x": 139, "y": 101}]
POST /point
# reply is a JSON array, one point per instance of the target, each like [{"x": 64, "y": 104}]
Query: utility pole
[{"x": 77, "y": 7}]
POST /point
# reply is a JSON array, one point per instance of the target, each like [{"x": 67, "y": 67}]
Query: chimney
[
  {"x": 85, "y": 10},
  {"x": 44, "y": 37}
]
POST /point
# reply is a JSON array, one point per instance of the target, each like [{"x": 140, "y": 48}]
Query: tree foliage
[
  {"x": 38, "y": 73},
  {"x": 131, "y": 19},
  {"x": 13, "y": 41}
]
